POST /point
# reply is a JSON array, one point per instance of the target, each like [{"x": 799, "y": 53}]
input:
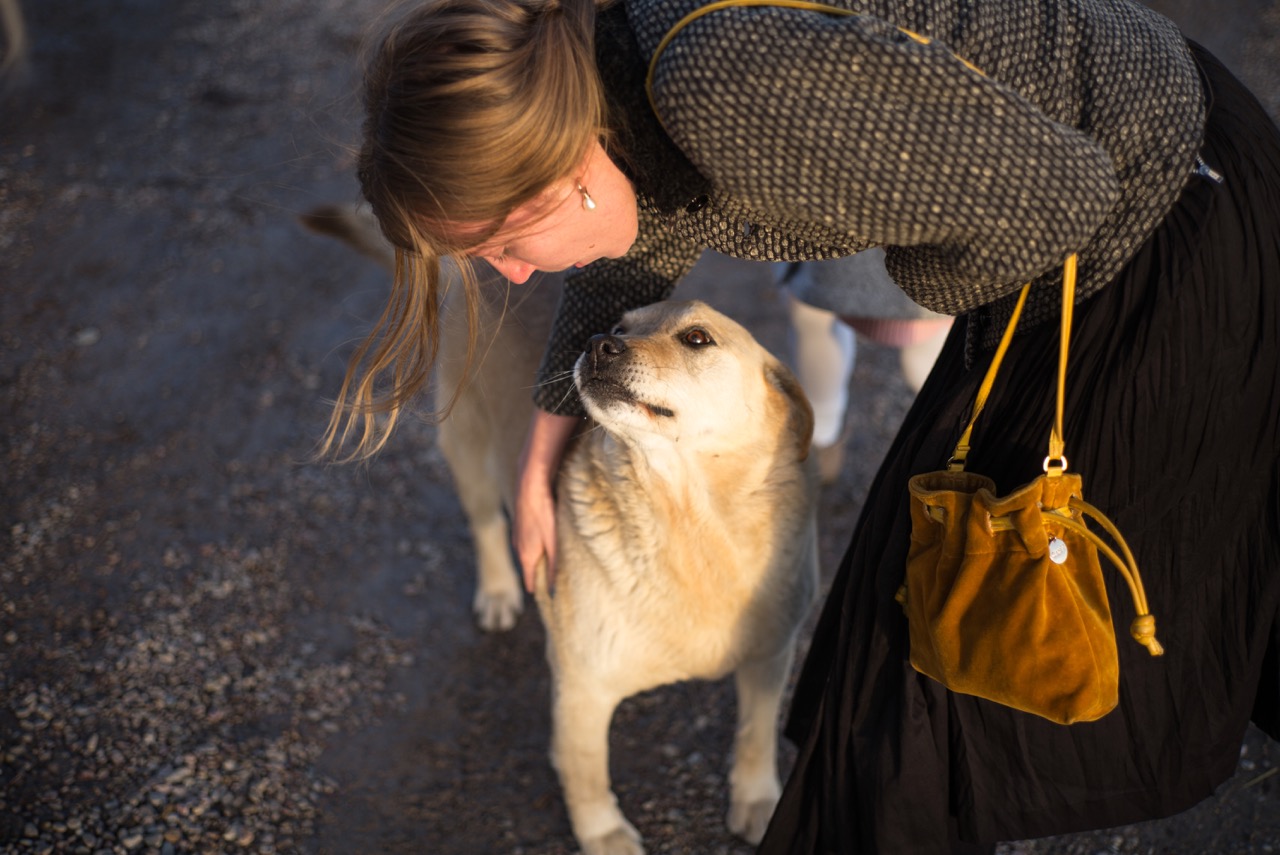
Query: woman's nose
[{"x": 517, "y": 271}]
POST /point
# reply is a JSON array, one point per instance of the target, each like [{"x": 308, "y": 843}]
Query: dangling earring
[{"x": 587, "y": 201}]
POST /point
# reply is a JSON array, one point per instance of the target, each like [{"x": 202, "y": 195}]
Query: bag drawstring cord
[{"x": 1143, "y": 627}]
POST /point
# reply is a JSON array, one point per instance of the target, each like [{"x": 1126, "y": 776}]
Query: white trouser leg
[{"x": 825, "y": 351}]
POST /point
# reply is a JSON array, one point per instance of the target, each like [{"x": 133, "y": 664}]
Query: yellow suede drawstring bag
[{"x": 1004, "y": 595}]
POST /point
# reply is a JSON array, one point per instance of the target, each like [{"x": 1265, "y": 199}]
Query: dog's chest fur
[{"x": 681, "y": 573}]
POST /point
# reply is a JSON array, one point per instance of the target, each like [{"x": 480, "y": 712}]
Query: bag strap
[
  {"x": 804, "y": 5},
  {"x": 961, "y": 452},
  {"x": 1056, "y": 462}
]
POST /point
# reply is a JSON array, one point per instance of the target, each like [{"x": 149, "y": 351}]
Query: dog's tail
[
  {"x": 354, "y": 225},
  {"x": 13, "y": 44}
]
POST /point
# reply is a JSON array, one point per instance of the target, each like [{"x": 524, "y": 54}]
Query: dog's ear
[{"x": 800, "y": 412}]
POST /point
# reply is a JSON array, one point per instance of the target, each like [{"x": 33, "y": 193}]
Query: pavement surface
[{"x": 209, "y": 643}]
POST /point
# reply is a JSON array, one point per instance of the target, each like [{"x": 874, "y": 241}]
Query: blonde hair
[{"x": 473, "y": 108}]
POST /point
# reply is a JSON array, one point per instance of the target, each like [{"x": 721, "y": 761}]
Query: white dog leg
[
  {"x": 753, "y": 782},
  {"x": 580, "y": 754},
  {"x": 499, "y": 597}
]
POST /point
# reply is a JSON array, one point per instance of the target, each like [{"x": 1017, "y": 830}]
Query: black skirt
[{"x": 1173, "y": 409}]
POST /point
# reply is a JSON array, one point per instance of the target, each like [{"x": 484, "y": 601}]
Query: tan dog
[
  {"x": 687, "y": 549},
  {"x": 685, "y": 521}
]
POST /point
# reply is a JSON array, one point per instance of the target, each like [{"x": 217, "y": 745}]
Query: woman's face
[{"x": 557, "y": 231}]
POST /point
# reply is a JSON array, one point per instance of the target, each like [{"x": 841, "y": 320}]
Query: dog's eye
[
  {"x": 698, "y": 337},
  {"x": 618, "y": 330}
]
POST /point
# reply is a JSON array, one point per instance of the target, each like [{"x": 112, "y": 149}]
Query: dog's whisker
[
  {"x": 555, "y": 378},
  {"x": 565, "y": 397}
]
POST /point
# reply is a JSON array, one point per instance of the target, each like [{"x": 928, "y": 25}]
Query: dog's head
[{"x": 685, "y": 372}]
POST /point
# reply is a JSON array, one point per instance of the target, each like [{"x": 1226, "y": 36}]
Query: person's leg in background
[
  {"x": 824, "y": 349},
  {"x": 831, "y": 303}
]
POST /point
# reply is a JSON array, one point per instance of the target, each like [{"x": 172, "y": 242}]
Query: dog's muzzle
[
  {"x": 601, "y": 375},
  {"x": 598, "y": 375}
]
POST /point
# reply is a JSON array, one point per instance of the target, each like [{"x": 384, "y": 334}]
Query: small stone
[{"x": 88, "y": 337}]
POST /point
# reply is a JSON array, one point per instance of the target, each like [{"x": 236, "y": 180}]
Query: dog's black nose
[{"x": 606, "y": 347}]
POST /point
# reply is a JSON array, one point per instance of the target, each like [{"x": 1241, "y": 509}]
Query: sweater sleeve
[
  {"x": 596, "y": 297},
  {"x": 848, "y": 121}
]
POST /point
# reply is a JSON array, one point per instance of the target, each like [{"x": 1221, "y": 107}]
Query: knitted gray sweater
[{"x": 797, "y": 135}]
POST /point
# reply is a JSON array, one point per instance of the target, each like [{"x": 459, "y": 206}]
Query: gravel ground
[{"x": 210, "y": 644}]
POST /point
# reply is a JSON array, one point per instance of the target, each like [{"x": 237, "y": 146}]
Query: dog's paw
[
  {"x": 496, "y": 611},
  {"x": 749, "y": 819},
  {"x": 624, "y": 840}
]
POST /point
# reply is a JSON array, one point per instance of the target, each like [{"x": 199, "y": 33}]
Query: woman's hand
[{"x": 534, "y": 527}]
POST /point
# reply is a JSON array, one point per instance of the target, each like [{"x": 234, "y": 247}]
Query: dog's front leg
[
  {"x": 580, "y": 754},
  {"x": 753, "y": 782}
]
